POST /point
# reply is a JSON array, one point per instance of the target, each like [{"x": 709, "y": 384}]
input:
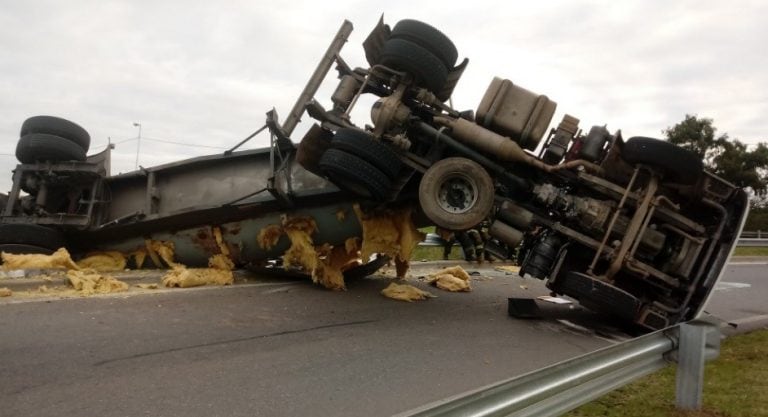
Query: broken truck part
[{"x": 635, "y": 228}]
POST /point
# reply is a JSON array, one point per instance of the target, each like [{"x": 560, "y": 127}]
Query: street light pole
[{"x": 138, "y": 143}]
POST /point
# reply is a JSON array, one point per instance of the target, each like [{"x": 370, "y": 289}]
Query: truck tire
[
  {"x": 31, "y": 234},
  {"x": 540, "y": 260},
  {"x": 316, "y": 141},
  {"x": 599, "y": 295},
  {"x": 18, "y": 249},
  {"x": 428, "y": 38},
  {"x": 39, "y": 147},
  {"x": 355, "y": 175},
  {"x": 362, "y": 271},
  {"x": 427, "y": 69},
  {"x": 456, "y": 193},
  {"x": 365, "y": 147},
  {"x": 58, "y": 127},
  {"x": 676, "y": 164}
]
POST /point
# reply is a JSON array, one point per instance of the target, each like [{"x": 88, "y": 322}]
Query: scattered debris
[
  {"x": 454, "y": 279},
  {"x": 58, "y": 260},
  {"x": 221, "y": 262},
  {"x": 5, "y": 292},
  {"x": 554, "y": 300},
  {"x": 390, "y": 232},
  {"x": 184, "y": 277},
  {"x": 510, "y": 269},
  {"x": 103, "y": 261},
  {"x": 88, "y": 282},
  {"x": 148, "y": 286},
  {"x": 405, "y": 292},
  {"x": 158, "y": 250},
  {"x": 218, "y": 273}
]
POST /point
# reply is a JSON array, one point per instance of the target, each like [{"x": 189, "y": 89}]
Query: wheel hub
[{"x": 457, "y": 194}]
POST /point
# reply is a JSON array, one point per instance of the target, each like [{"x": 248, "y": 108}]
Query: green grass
[
  {"x": 735, "y": 385},
  {"x": 434, "y": 253},
  {"x": 750, "y": 251}
]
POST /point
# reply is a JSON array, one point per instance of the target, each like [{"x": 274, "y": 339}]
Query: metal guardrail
[
  {"x": 753, "y": 242},
  {"x": 746, "y": 239},
  {"x": 564, "y": 386}
]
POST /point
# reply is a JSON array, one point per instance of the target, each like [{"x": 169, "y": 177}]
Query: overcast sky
[{"x": 204, "y": 73}]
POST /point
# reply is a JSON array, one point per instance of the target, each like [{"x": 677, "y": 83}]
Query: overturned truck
[{"x": 635, "y": 228}]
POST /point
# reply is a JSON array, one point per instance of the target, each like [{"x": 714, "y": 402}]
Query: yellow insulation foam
[
  {"x": 454, "y": 279},
  {"x": 104, "y": 261},
  {"x": 269, "y": 236},
  {"x": 5, "y": 292},
  {"x": 159, "y": 250},
  {"x": 89, "y": 281},
  {"x": 183, "y": 277},
  {"x": 218, "y": 273},
  {"x": 58, "y": 260},
  {"x": 389, "y": 232},
  {"x": 220, "y": 241},
  {"x": 405, "y": 292}
]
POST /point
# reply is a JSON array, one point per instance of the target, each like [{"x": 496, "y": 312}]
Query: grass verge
[
  {"x": 735, "y": 385},
  {"x": 750, "y": 251}
]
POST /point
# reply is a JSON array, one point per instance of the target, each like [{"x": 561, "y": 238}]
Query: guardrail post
[{"x": 690, "y": 366}]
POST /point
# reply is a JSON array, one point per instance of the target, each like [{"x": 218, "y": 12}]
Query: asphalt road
[
  {"x": 276, "y": 347},
  {"x": 742, "y": 293}
]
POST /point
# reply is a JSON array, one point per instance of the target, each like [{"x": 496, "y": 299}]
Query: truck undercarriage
[{"x": 635, "y": 228}]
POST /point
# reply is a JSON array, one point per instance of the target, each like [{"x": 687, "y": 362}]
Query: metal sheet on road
[{"x": 253, "y": 350}]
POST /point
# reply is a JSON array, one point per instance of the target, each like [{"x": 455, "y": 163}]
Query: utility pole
[{"x": 138, "y": 144}]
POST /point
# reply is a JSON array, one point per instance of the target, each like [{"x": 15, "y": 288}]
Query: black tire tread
[
  {"x": 39, "y": 147},
  {"x": 370, "y": 268},
  {"x": 427, "y": 69},
  {"x": 428, "y": 38},
  {"x": 365, "y": 147},
  {"x": 343, "y": 168},
  {"x": 599, "y": 295},
  {"x": 58, "y": 127},
  {"x": 20, "y": 249},
  {"x": 676, "y": 164},
  {"x": 31, "y": 234}
]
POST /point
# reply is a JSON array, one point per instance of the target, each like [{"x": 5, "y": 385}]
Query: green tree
[
  {"x": 728, "y": 158},
  {"x": 695, "y": 134}
]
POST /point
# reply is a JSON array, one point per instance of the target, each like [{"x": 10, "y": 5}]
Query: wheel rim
[{"x": 457, "y": 194}]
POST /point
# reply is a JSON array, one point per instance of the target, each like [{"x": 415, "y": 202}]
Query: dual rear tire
[
  {"x": 51, "y": 139},
  {"x": 422, "y": 51}
]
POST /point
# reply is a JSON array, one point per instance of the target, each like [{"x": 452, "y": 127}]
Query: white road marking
[{"x": 727, "y": 286}]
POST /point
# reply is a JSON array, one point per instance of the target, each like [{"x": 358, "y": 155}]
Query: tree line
[{"x": 744, "y": 166}]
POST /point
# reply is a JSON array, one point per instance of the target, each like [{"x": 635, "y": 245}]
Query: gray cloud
[{"x": 204, "y": 74}]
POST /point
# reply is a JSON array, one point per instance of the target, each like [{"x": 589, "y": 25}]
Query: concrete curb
[{"x": 745, "y": 325}]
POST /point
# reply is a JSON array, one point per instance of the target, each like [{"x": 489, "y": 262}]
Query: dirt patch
[{"x": 405, "y": 292}]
